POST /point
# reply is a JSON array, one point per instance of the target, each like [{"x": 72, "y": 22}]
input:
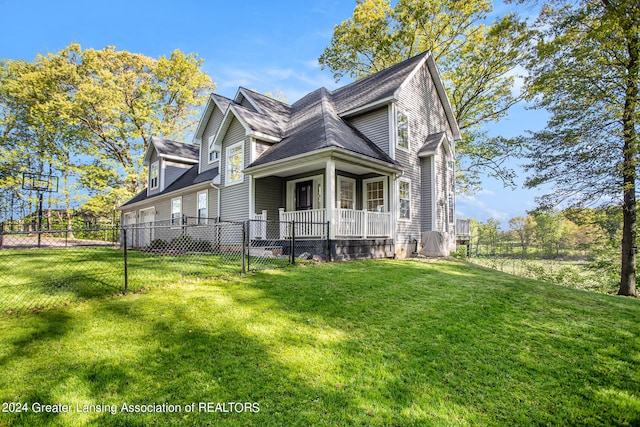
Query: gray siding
[
  {"x": 261, "y": 147},
  {"x": 210, "y": 130},
  {"x": 245, "y": 103},
  {"x": 234, "y": 198},
  {"x": 419, "y": 100},
  {"x": 426, "y": 196},
  {"x": 375, "y": 126},
  {"x": 270, "y": 195},
  {"x": 173, "y": 171}
]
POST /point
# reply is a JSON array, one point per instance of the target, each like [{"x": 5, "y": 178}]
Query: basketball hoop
[{"x": 40, "y": 183}]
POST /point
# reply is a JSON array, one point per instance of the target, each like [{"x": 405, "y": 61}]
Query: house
[{"x": 373, "y": 159}]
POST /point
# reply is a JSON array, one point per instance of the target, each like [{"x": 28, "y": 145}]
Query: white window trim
[
  {"x": 230, "y": 148},
  {"x": 180, "y": 213},
  {"x": 385, "y": 192},
  {"x": 213, "y": 147},
  {"x": 352, "y": 182},
  {"x": 408, "y": 181},
  {"x": 206, "y": 197},
  {"x": 154, "y": 165},
  {"x": 397, "y": 141}
]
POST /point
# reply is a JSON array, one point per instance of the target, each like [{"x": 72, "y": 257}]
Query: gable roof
[
  {"x": 187, "y": 179},
  {"x": 431, "y": 144},
  {"x": 172, "y": 150},
  {"x": 315, "y": 125},
  {"x": 376, "y": 87}
]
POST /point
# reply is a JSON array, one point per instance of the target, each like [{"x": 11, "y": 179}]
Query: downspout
[{"x": 218, "y": 206}]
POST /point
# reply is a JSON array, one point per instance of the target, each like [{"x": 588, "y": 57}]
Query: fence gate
[{"x": 274, "y": 244}]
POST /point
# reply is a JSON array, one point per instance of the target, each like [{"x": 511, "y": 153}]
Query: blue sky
[{"x": 265, "y": 46}]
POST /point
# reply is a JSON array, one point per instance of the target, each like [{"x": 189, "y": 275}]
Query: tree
[
  {"x": 476, "y": 60},
  {"x": 524, "y": 229},
  {"x": 91, "y": 113},
  {"x": 584, "y": 71}
]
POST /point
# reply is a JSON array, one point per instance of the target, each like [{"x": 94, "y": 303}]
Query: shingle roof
[
  {"x": 315, "y": 125},
  {"x": 431, "y": 143},
  {"x": 167, "y": 147},
  {"x": 187, "y": 179},
  {"x": 375, "y": 87}
]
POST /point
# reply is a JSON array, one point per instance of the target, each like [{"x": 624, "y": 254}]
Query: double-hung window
[
  {"x": 402, "y": 127},
  {"x": 404, "y": 196},
  {"x": 154, "y": 175},
  {"x": 374, "y": 194},
  {"x": 347, "y": 193},
  {"x": 202, "y": 207},
  {"x": 235, "y": 163},
  {"x": 176, "y": 211}
]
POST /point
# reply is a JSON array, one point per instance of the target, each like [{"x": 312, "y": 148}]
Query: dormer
[
  {"x": 167, "y": 161},
  {"x": 207, "y": 131}
]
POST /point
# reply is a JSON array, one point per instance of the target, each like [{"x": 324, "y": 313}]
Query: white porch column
[
  {"x": 393, "y": 206},
  {"x": 330, "y": 198}
]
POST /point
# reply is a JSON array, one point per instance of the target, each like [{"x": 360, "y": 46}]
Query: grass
[
  {"x": 578, "y": 275},
  {"x": 400, "y": 343},
  {"x": 48, "y": 277}
]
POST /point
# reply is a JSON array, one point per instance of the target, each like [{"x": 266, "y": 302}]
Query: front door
[{"x": 304, "y": 195}]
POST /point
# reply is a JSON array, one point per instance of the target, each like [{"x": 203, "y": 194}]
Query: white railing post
[
  {"x": 365, "y": 220},
  {"x": 283, "y": 226}
]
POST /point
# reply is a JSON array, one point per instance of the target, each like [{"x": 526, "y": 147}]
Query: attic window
[
  {"x": 214, "y": 150},
  {"x": 402, "y": 139},
  {"x": 153, "y": 175}
]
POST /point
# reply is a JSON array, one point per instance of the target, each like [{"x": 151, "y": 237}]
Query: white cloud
[{"x": 480, "y": 210}]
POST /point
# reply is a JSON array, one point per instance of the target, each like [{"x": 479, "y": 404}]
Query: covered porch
[{"x": 331, "y": 194}]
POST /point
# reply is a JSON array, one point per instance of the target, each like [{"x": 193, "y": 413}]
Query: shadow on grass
[{"x": 366, "y": 343}]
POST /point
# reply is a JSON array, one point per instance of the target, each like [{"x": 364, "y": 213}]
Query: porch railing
[
  {"x": 349, "y": 223},
  {"x": 309, "y": 223},
  {"x": 258, "y": 228}
]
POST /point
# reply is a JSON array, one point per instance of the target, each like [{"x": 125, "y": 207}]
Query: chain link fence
[{"x": 53, "y": 268}]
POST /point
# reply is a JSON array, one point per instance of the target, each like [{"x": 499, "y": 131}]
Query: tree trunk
[{"x": 629, "y": 248}]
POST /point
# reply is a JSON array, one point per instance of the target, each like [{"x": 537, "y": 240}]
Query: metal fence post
[
  {"x": 329, "y": 257},
  {"x": 244, "y": 247},
  {"x": 1, "y": 235},
  {"x": 126, "y": 261},
  {"x": 293, "y": 242}
]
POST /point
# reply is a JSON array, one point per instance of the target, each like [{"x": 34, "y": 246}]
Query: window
[
  {"x": 402, "y": 123},
  {"x": 235, "y": 162},
  {"x": 451, "y": 209},
  {"x": 374, "y": 193},
  {"x": 346, "y": 193},
  {"x": 203, "y": 211},
  {"x": 176, "y": 211},
  {"x": 153, "y": 175},
  {"x": 214, "y": 150},
  {"x": 404, "y": 195}
]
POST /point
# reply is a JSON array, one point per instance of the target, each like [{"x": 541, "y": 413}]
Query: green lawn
[
  {"x": 52, "y": 277},
  {"x": 395, "y": 343}
]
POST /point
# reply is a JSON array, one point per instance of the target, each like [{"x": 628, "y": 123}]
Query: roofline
[
  {"x": 245, "y": 92},
  {"x": 371, "y": 106},
  {"x": 163, "y": 195},
  {"x": 444, "y": 98},
  {"x": 337, "y": 152},
  {"x": 147, "y": 157},
  {"x": 206, "y": 114}
]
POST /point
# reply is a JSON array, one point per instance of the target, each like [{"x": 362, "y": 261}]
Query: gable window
[
  {"x": 404, "y": 196},
  {"x": 176, "y": 211},
  {"x": 154, "y": 175},
  {"x": 214, "y": 150},
  {"x": 235, "y": 162},
  {"x": 402, "y": 124},
  {"x": 203, "y": 211},
  {"x": 374, "y": 194},
  {"x": 346, "y": 193}
]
